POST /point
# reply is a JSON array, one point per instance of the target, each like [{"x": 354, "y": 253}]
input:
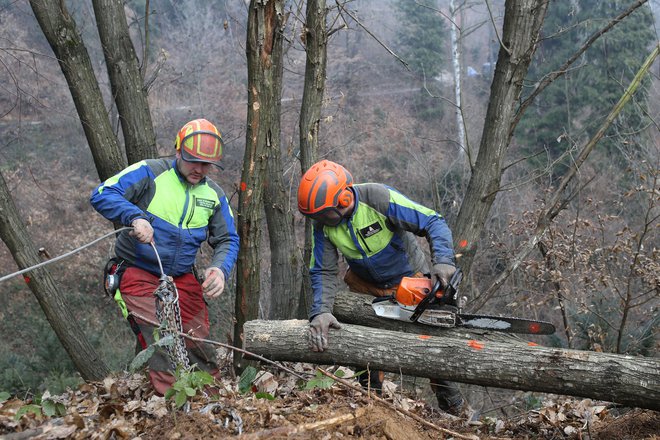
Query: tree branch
[
  {"x": 562, "y": 70},
  {"x": 559, "y": 201}
]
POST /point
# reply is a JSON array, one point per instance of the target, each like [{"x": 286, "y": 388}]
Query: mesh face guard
[{"x": 327, "y": 217}]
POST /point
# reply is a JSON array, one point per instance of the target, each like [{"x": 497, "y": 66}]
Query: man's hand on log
[{"x": 318, "y": 330}]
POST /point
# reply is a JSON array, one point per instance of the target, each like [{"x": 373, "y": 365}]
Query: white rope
[{"x": 68, "y": 254}]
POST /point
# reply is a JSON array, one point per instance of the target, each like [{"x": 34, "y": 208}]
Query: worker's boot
[
  {"x": 449, "y": 397},
  {"x": 372, "y": 379}
]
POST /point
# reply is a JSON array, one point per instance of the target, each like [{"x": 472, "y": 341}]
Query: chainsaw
[{"x": 418, "y": 300}]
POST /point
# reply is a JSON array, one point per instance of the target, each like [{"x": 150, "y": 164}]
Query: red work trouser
[{"x": 137, "y": 291}]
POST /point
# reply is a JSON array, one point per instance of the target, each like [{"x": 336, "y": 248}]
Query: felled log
[{"x": 628, "y": 380}]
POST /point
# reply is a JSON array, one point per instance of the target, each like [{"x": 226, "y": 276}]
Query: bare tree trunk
[
  {"x": 522, "y": 24},
  {"x": 126, "y": 81},
  {"x": 15, "y": 236},
  {"x": 628, "y": 380},
  {"x": 65, "y": 40},
  {"x": 284, "y": 255},
  {"x": 255, "y": 165},
  {"x": 316, "y": 39},
  {"x": 456, "y": 63}
]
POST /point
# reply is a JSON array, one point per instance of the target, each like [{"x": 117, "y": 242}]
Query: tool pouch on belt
[{"x": 112, "y": 273}]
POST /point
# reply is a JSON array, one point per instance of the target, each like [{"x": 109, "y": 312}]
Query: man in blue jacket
[
  {"x": 374, "y": 227},
  {"x": 173, "y": 205}
]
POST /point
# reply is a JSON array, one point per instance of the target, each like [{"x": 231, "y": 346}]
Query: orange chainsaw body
[{"x": 412, "y": 290}]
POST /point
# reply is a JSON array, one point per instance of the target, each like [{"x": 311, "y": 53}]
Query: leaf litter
[{"x": 124, "y": 406}]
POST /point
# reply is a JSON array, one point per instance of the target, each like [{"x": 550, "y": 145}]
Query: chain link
[{"x": 169, "y": 316}]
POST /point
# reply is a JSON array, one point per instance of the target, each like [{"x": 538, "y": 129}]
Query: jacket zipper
[{"x": 192, "y": 212}]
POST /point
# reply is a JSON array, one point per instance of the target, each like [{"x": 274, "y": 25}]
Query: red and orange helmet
[
  {"x": 199, "y": 141},
  {"x": 324, "y": 186}
]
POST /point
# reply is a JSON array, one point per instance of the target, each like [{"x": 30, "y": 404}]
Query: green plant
[
  {"x": 247, "y": 377},
  {"x": 44, "y": 406},
  {"x": 187, "y": 385},
  {"x": 322, "y": 381}
]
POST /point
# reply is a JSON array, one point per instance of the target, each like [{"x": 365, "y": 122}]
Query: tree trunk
[
  {"x": 522, "y": 24},
  {"x": 65, "y": 40},
  {"x": 284, "y": 255},
  {"x": 316, "y": 39},
  {"x": 628, "y": 380},
  {"x": 15, "y": 236},
  {"x": 126, "y": 81},
  {"x": 255, "y": 164}
]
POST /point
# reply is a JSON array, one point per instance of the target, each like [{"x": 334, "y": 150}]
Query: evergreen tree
[
  {"x": 421, "y": 42},
  {"x": 576, "y": 103}
]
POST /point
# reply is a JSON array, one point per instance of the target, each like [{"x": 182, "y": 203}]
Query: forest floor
[{"x": 277, "y": 405}]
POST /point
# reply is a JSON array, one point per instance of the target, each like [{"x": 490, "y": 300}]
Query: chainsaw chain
[{"x": 169, "y": 316}]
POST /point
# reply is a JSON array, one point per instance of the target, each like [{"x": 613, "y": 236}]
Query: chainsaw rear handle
[{"x": 426, "y": 302}]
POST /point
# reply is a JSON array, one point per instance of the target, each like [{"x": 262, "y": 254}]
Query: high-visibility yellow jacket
[
  {"x": 378, "y": 242},
  {"x": 183, "y": 217}
]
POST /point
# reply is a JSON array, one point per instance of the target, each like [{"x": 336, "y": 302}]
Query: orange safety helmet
[
  {"x": 324, "y": 186},
  {"x": 201, "y": 142}
]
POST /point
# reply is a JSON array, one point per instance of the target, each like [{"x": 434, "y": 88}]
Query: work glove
[
  {"x": 318, "y": 330},
  {"x": 443, "y": 273},
  {"x": 214, "y": 283},
  {"x": 142, "y": 230}
]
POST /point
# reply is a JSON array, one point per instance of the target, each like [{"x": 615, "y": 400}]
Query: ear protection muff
[{"x": 345, "y": 198}]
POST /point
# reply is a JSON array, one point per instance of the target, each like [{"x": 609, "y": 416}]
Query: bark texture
[
  {"x": 126, "y": 81},
  {"x": 628, "y": 380},
  {"x": 522, "y": 24},
  {"x": 14, "y": 234},
  {"x": 62, "y": 34},
  {"x": 261, "y": 37},
  {"x": 316, "y": 39},
  {"x": 267, "y": 85}
]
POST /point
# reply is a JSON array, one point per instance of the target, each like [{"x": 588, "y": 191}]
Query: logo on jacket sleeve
[
  {"x": 205, "y": 203},
  {"x": 370, "y": 230}
]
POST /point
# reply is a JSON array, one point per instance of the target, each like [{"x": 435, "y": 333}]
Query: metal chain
[{"x": 169, "y": 316}]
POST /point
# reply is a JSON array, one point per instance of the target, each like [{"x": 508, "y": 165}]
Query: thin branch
[
  {"x": 400, "y": 410},
  {"x": 497, "y": 34},
  {"x": 559, "y": 200},
  {"x": 227, "y": 346},
  {"x": 564, "y": 68},
  {"x": 372, "y": 35}
]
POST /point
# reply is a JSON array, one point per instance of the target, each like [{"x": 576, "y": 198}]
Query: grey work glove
[
  {"x": 142, "y": 230},
  {"x": 214, "y": 282},
  {"x": 442, "y": 272},
  {"x": 318, "y": 330}
]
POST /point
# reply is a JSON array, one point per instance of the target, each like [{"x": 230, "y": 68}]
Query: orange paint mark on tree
[
  {"x": 532, "y": 344},
  {"x": 424, "y": 337},
  {"x": 475, "y": 344},
  {"x": 462, "y": 244},
  {"x": 243, "y": 186}
]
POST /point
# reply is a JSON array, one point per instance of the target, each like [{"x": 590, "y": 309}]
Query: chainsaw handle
[{"x": 424, "y": 304}]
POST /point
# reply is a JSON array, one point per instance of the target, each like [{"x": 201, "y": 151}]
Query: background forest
[{"x": 389, "y": 115}]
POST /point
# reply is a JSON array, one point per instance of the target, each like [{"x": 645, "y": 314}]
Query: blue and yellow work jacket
[
  {"x": 182, "y": 215},
  {"x": 377, "y": 242}
]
